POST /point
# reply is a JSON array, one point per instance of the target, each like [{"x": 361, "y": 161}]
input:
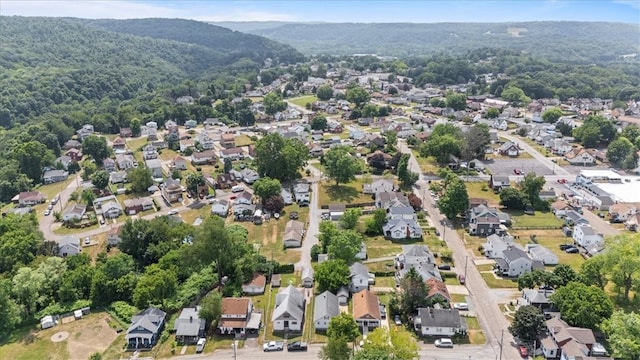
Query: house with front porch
[
  {"x": 256, "y": 285},
  {"x": 325, "y": 307},
  {"x": 570, "y": 343},
  {"x": 509, "y": 149},
  {"x": 288, "y": 314},
  {"x": 580, "y": 157},
  {"x": 366, "y": 310},
  {"x": 29, "y": 198},
  {"x": 238, "y": 316},
  {"x": 189, "y": 327},
  {"x": 622, "y": 211},
  {"x": 499, "y": 182},
  {"x": 484, "y": 221},
  {"x": 145, "y": 329},
  {"x": 358, "y": 277},
  {"x": 439, "y": 322},
  {"x": 514, "y": 262}
]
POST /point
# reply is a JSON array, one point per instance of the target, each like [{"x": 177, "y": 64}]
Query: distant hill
[{"x": 567, "y": 41}]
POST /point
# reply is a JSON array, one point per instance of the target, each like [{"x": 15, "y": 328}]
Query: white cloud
[{"x": 111, "y": 9}]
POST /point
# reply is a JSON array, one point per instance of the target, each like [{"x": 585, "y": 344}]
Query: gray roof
[
  {"x": 535, "y": 296},
  {"x": 289, "y": 301},
  {"x": 307, "y": 273},
  {"x": 426, "y": 271},
  {"x": 189, "y": 323},
  {"x": 358, "y": 269},
  {"x": 326, "y": 305},
  {"x": 441, "y": 318},
  {"x": 151, "y": 319},
  {"x": 587, "y": 230},
  {"x": 513, "y": 253},
  {"x": 417, "y": 254}
]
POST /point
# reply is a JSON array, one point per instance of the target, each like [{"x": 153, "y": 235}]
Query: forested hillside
[{"x": 567, "y": 41}]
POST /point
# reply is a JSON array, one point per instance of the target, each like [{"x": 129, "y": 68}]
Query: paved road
[
  {"x": 311, "y": 235},
  {"x": 536, "y": 155},
  {"x": 491, "y": 318}
]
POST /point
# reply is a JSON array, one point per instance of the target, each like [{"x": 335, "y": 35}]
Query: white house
[
  {"x": 220, "y": 208},
  {"x": 585, "y": 236},
  {"x": 293, "y": 234},
  {"x": 514, "y": 262},
  {"x": 379, "y": 185},
  {"x": 366, "y": 310},
  {"x": 77, "y": 211},
  {"x": 325, "y": 307},
  {"x": 496, "y": 244},
  {"x": 358, "y": 277},
  {"x": 287, "y": 197},
  {"x": 402, "y": 229},
  {"x": 307, "y": 277},
  {"x": 539, "y": 252},
  {"x": 289, "y": 311},
  {"x": 439, "y": 322},
  {"x": 68, "y": 246}
]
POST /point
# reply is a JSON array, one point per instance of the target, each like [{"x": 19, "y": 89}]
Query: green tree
[
  {"x": 528, "y": 323},
  {"x": 9, "y": 310},
  {"x": 350, "y": 218},
  {"x": 155, "y": 286},
  {"x": 373, "y": 225},
  {"x": 140, "y": 178},
  {"x": 492, "y": 113},
  {"x": 228, "y": 165},
  {"x": 135, "y": 127},
  {"x": 564, "y": 128},
  {"x": 340, "y": 165},
  {"x": 344, "y": 245},
  {"x": 245, "y": 117},
  {"x": 441, "y": 147},
  {"x": 551, "y": 115},
  {"x": 331, "y": 275},
  {"x": 622, "y": 263},
  {"x": 20, "y": 240},
  {"x": 343, "y": 326},
  {"x": 562, "y": 275},
  {"x": 531, "y": 185},
  {"x": 96, "y": 147},
  {"x": 619, "y": 149},
  {"x": 266, "y": 187},
  {"x": 280, "y": 158},
  {"x": 89, "y": 168},
  {"x": 456, "y": 101},
  {"x": 391, "y": 140},
  {"x": 273, "y": 103},
  {"x": 582, "y": 305},
  {"x": 455, "y": 200},
  {"x": 406, "y": 176},
  {"x": 592, "y": 272},
  {"x": 328, "y": 230},
  {"x": 319, "y": 122},
  {"x": 515, "y": 95},
  {"x": 336, "y": 348},
  {"x": 194, "y": 181},
  {"x": 370, "y": 111},
  {"x": 623, "y": 334},
  {"x": 100, "y": 179},
  {"x": 512, "y": 198},
  {"x": 27, "y": 289},
  {"x": 397, "y": 344},
  {"x": 211, "y": 307},
  {"x": 475, "y": 140},
  {"x": 324, "y": 92},
  {"x": 357, "y": 96},
  {"x": 32, "y": 156},
  {"x": 414, "y": 292},
  {"x": 87, "y": 197},
  {"x": 595, "y": 129},
  {"x": 534, "y": 278}
]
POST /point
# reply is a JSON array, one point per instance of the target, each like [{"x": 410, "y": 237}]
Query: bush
[
  {"x": 284, "y": 269},
  {"x": 123, "y": 310},
  {"x": 420, "y": 215},
  {"x": 315, "y": 251}
]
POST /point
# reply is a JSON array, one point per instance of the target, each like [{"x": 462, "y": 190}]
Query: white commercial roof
[
  {"x": 599, "y": 174},
  {"x": 625, "y": 191}
]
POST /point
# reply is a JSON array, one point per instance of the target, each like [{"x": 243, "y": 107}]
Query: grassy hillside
[{"x": 572, "y": 41}]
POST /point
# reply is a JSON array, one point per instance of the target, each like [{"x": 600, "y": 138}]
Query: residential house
[
  {"x": 288, "y": 314},
  {"x": 119, "y": 144},
  {"x": 484, "y": 221},
  {"x": 585, "y": 236},
  {"x": 249, "y": 175},
  {"x": 307, "y": 277},
  {"x": 378, "y": 185},
  {"x": 113, "y": 236},
  {"x": 74, "y": 154},
  {"x": 238, "y": 316},
  {"x": 572, "y": 217},
  {"x": 514, "y": 262},
  {"x": 560, "y": 208},
  {"x": 69, "y": 246},
  {"x": 287, "y": 196},
  {"x": 580, "y": 157},
  {"x": 228, "y": 140},
  {"x": 54, "y": 176},
  {"x": 178, "y": 163},
  {"x": 156, "y": 168},
  {"x": 235, "y": 153},
  {"x": 632, "y": 222},
  {"x": 622, "y": 211},
  {"x": 366, "y": 310},
  {"x": 109, "y": 209},
  {"x": 145, "y": 329},
  {"x": 226, "y": 181},
  {"x": 125, "y": 161},
  {"x": 293, "y": 234},
  {"x": 189, "y": 327},
  {"x": 172, "y": 191},
  {"x": 29, "y": 198},
  {"x": 186, "y": 144},
  {"x": 302, "y": 193},
  {"x": 72, "y": 144},
  {"x": 560, "y": 147},
  {"x": 137, "y": 205},
  {"x": 243, "y": 211},
  {"x": 379, "y": 159},
  {"x": 418, "y": 257},
  {"x": 149, "y": 152},
  {"x": 220, "y": 208},
  {"x": 76, "y": 211},
  {"x": 86, "y": 130},
  {"x": 496, "y": 245},
  {"x": 118, "y": 177},
  {"x": 358, "y": 277},
  {"x": 64, "y": 161},
  {"x": 325, "y": 307},
  {"x": 402, "y": 229},
  {"x": 570, "y": 343},
  {"x": 439, "y": 322},
  {"x": 255, "y": 286},
  {"x": 438, "y": 292},
  {"x": 387, "y": 200},
  {"x": 190, "y": 124},
  {"x": 109, "y": 165},
  {"x": 206, "y": 143},
  {"x": 509, "y": 149},
  {"x": 546, "y": 195},
  {"x": 499, "y": 182},
  {"x": 203, "y": 157},
  {"x": 125, "y": 132},
  {"x": 343, "y": 296},
  {"x": 244, "y": 197},
  {"x": 541, "y": 253},
  {"x": 537, "y": 297}
]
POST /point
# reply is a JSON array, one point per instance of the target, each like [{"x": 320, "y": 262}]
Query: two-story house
[
  {"x": 302, "y": 193},
  {"x": 580, "y": 157},
  {"x": 238, "y": 316},
  {"x": 203, "y": 157},
  {"x": 358, "y": 277},
  {"x": 417, "y": 257},
  {"x": 514, "y": 262},
  {"x": 509, "y": 149},
  {"x": 378, "y": 185},
  {"x": 496, "y": 245},
  {"x": 145, "y": 329},
  {"x": 570, "y": 343},
  {"x": 289, "y": 310},
  {"x": 228, "y": 140},
  {"x": 366, "y": 310},
  {"x": 585, "y": 236},
  {"x": 484, "y": 221},
  {"x": 325, "y": 307},
  {"x": 499, "y": 182},
  {"x": 622, "y": 211}
]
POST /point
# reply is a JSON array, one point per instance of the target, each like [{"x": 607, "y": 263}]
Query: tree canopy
[
  {"x": 280, "y": 158},
  {"x": 340, "y": 165}
]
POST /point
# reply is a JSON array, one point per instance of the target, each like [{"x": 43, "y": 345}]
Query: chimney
[{"x": 190, "y": 319}]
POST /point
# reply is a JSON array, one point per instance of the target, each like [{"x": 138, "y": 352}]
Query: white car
[
  {"x": 47, "y": 212},
  {"x": 173, "y": 212},
  {"x": 273, "y": 346},
  {"x": 461, "y": 306},
  {"x": 444, "y": 342},
  {"x": 200, "y": 345}
]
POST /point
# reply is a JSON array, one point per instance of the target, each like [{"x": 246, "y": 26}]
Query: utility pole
[
  {"x": 501, "y": 342},
  {"x": 466, "y": 260},
  {"x": 235, "y": 344}
]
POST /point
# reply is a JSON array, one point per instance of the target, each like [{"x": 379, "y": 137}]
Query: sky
[{"x": 363, "y": 11}]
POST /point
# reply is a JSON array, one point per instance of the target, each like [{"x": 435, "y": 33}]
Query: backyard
[{"x": 349, "y": 193}]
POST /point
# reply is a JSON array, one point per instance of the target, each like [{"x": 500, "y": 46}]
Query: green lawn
[
  {"x": 497, "y": 283},
  {"x": 457, "y": 298},
  {"x": 481, "y": 190},
  {"x": 427, "y": 165},
  {"x": 243, "y": 140},
  {"x": 385, "y": 281},
  {"x": 136, "y": 144},
  {"x": 51, "y": 190},
  {"x": 474, "y": 331},
  {"x": 539, "y": 220},
  {"x": 303, "y": 100},
  {"x": 378, "y": 246},
  {"x": 350, "y": 193},
  {"x": 551, "y": 239}
]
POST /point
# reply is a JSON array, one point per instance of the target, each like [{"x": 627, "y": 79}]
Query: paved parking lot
[{"x": 506, "y": 166}]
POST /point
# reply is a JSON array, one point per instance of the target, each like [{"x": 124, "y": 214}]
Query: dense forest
[{"x": 582, "y": 42}]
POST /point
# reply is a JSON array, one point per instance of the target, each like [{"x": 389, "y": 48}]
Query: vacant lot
[
  {"x": 86, "y": 336},
  {"x": 350, "y": 193},
  {"x": 303, "y": 100},
  {"x": 506, "y": 166},
  {"x": 481, "y": 190},
  {"x": 427, "y": 165},
  {"x": 539, "y": 220}
]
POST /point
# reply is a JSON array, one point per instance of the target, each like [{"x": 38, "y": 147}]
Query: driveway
[{"x": 313, "y": 228}]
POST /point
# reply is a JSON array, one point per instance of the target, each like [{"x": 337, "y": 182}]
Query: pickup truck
[
  {"x": 297, "y": 346},
  {"x": 273, "y": 346}
]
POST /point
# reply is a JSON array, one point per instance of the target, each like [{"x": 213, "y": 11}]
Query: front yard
[{"x": 481, "y": 190}]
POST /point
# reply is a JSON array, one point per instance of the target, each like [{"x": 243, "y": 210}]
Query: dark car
[
  {"x": 297, "y": 346},
  {"x": 437, "y": 232},
  {"x": 444, "y": 267},
  {"x": 565, "y": 246},
  {"x": 293, "y": 215},
  {"x": 572, "y": 250}
]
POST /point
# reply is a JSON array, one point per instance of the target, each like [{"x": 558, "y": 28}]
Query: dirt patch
[
  {"x": 274, "y": 234},
  {"x": 60, "y": 336},
  {"x": 90, "y": 336}
]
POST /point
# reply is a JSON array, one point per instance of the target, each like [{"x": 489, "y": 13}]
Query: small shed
[
  {"x": 307, "y": 277},
  {"x": 77, "y": 314},
  {"x": 47, "y": 322},
  {"x": 343, "y": 295},
  {"x": 336, "y": 211},
  {"x": 275, "y": 280}
]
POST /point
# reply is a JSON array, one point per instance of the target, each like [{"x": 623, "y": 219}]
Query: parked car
[
  {"x": 55, "y": 199},
  {"x": 297, "y": 346},
  {"x": 523, "y": 351},
  {"x": 200, "y": 345},
  {"x": 273, "y": 346},
  {"x": 396, "y": 320},
  {"x": 572, "y": 250},
  {"x": 276, "y": 216},
  {"x": 565, "y": 246},
  {"x": 601, "y": 215},
  {"x": 461, "y": 306},
  {"x": 87, "y": 240},
  {"x": 173, "y": 212},
  {"x": 101, "y": 221},
  {"x": 562, "y": 181},
  {"x": 444, "y": 267},
  {"x": 325, "y": 216},
  {"x": 293, "y": 215},
  {"x": 517, "y": 171},
  {"x": 462, "y": 279},
  {"x": 47, "y": 212},
  {"x": 437, "y": 232},
  {"x": 444, "y": 342},
  {"x": 50, "y": 206}
]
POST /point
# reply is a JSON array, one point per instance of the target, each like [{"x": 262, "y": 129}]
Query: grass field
[
  {"x": 427, "y": 165},
  {"x": 303, "y": 100},
  {"x": 474, "y": 331},
  {"x": 350, "y": 193},
  {"x": 481, "y": 190},
  {"x": 540, "y": 219},
  {"x": 243, "y": 140},
  {"x": 551, "y": 239},
  {"x": 497, "y": 283}
]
